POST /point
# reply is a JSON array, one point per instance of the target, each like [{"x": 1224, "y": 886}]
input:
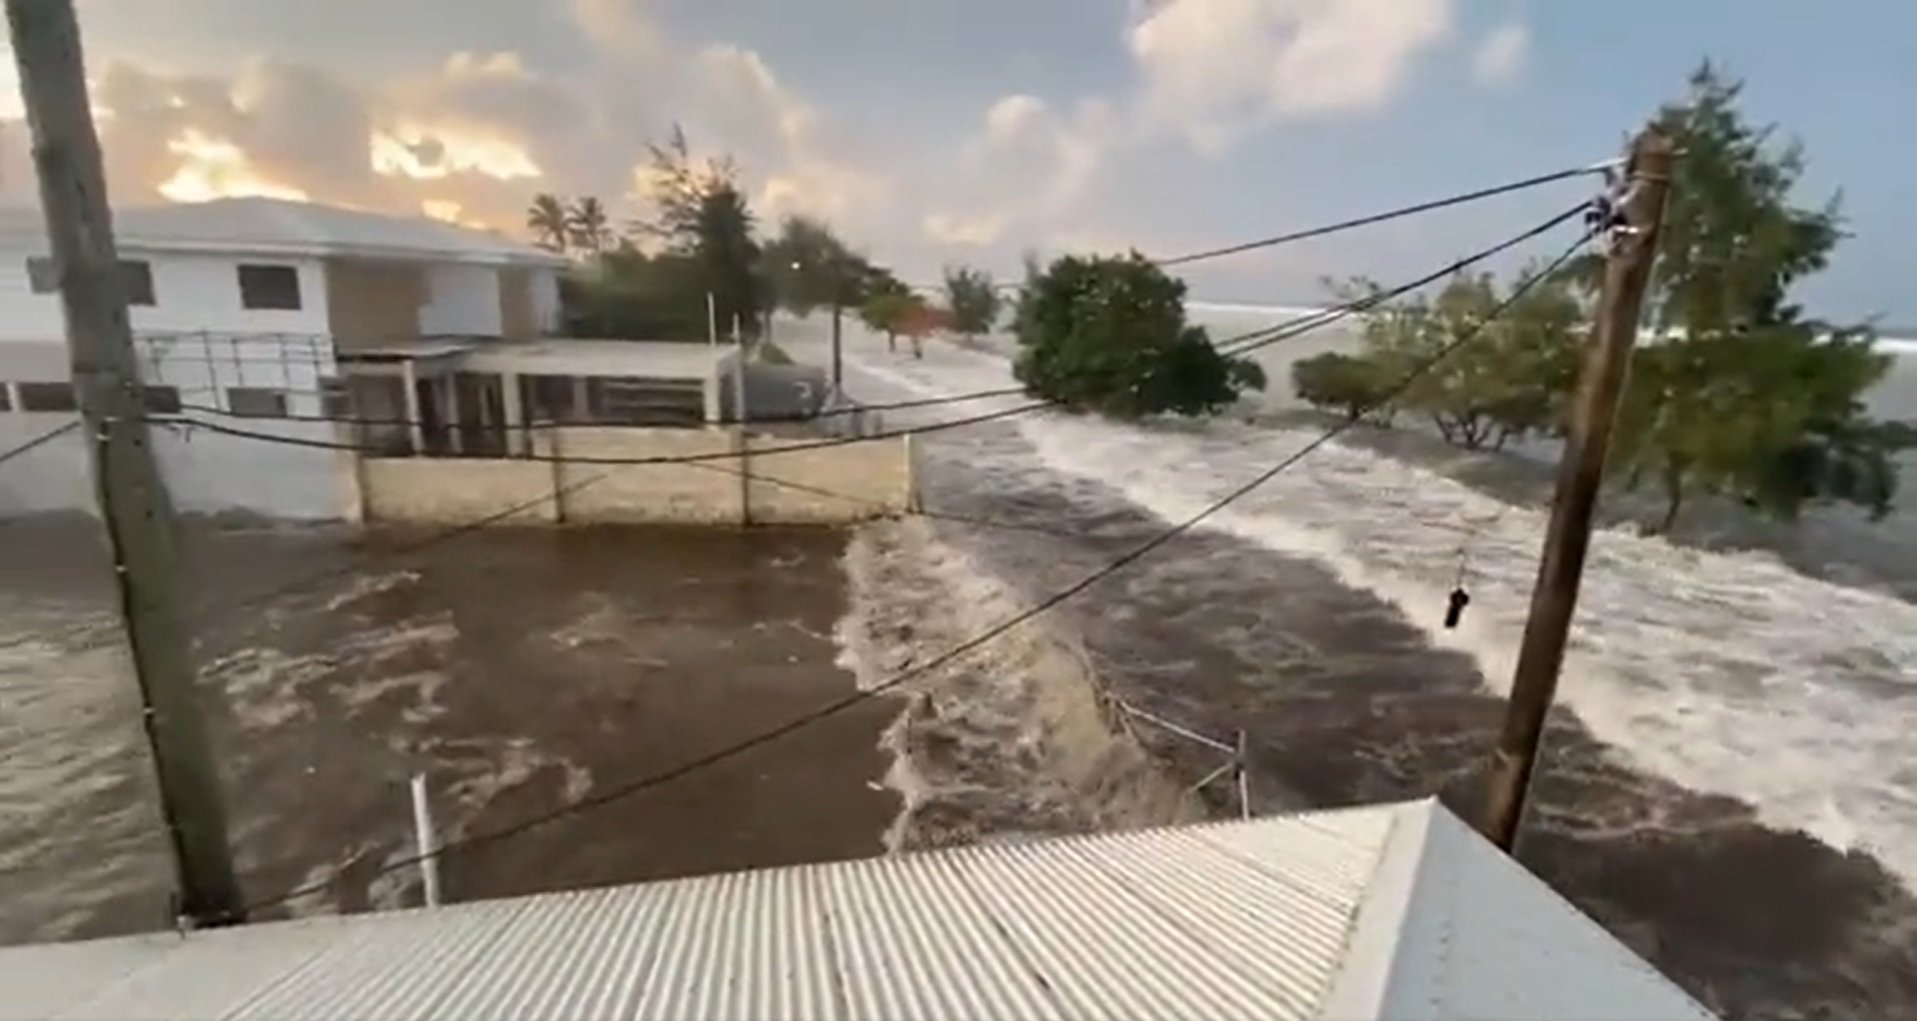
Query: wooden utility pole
[
  {"x": 133, "y": 498},
  {"x": 1639, "y": 216}
]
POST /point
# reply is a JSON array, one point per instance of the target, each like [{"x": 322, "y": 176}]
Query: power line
[
  {"x": 40, "y": 440},
  {"x": 1393, "y": 214},
  {"x": 1375, "y": 218},
  {"x": 916, "y": 402},
  {"x": 857, "y": 698},
  {"x": 728, "y": 455},
  {"x": 1235, "y": 346},
  {"x": 1257, "y": 339}
]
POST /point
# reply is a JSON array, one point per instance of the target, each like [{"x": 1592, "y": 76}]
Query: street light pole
[{"x": 838, "y": 306}]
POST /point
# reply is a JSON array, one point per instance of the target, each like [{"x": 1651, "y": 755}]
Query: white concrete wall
[
  {"x": 462, "y": 301},
  {"x": 861, "y": 480},
  {"x": 427, "y": 490},
  {"x": 202, "y": 292},
  {"x": 191, "y": 292},
  {"x": 545, "y": 299},
  {"x": 52, "y": 476},
  {"x": 206, "y": 472}
]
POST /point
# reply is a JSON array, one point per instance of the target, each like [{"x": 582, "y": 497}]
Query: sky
[{"x": 935, "y": 132}]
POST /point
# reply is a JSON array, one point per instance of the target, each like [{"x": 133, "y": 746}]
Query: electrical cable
[
  {"x": 1392, "y": 214},
  {"x": 1375, "y": 218},
  {"x": 1256, "y": 339},
  {"x": 726, "y": 455},
  {"x": 1235, "y": 346},
  {"x": 39, "y": 441},
  {"x": 1138, "y": 552},
  {"x": 916, "y": 402}
]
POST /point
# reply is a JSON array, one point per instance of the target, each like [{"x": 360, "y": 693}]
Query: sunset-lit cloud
[
  {"x": 423, "y": 155},
  {"x": 213, "y": 168},
  {"x": 463, "y": 110}
]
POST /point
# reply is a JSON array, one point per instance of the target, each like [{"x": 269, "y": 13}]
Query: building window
[
  {"x": 47, "y": 397},
  {"x": 43, "y": 275},
  {"x": 160, "y": 400},
  {"x": 270, "y": 287},
  {"x": 255, "y": 402},
  {"x": 6, "y": 397},
  {"x": 336, "y": 401}
]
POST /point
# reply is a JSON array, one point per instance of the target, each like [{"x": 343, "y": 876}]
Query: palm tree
[
  {"x": 547, "y": 219},
  {"x": 589, "y": 225}
]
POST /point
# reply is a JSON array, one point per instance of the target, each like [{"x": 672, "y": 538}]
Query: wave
[{"x": 1729, "y": 673}]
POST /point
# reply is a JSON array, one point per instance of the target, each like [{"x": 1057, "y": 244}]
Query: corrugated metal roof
[
  {"x": 1394, "y": 911},
  {"x": 276, "y": 226}
]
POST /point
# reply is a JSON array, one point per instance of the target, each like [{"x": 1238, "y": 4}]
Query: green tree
[
  {"x": 628, "y": 295},
  {"x": 889, "y": 308},
  {"x": 1505, "y": 377},
  {"x": 809, "y": 267},
  {"x": 973, "y": 299},
  {"x": 1109, "y": 335},
  {"x": 702, "y": 215},
  {"x": 1740, "y": 394},
  {"x": 546, "y": 218},
  {"x": 1352, "y": 386},
  {"x": 587, "y": 225}
]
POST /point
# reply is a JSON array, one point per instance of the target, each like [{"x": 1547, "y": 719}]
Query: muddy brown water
[{"x": 518, "y": 669}]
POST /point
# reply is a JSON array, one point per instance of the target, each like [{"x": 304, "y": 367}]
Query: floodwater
[
  {"x": 518, "y": 669},
  {"x": 1726, "y": 784}
]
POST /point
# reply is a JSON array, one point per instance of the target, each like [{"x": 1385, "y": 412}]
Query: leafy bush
[{"x": 1108, "y": 334}]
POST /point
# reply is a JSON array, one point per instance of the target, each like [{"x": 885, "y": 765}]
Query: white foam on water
[{"x": 1728, "y": 673}]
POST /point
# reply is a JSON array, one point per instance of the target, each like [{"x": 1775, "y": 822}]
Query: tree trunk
[{"x": 1674, "y": 493}]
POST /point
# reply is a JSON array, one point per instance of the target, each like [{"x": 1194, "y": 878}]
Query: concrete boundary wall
[{"x": 825, "y": 486}]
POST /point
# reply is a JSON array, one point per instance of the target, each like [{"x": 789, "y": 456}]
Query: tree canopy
[
  {"x": 889, "y": 307},
  {"x": 973, "y": 300},
  {"x": 547, "y": 220},
  {"x": 702, "y": 215},
  {"x": 809, "y": 267},
  {"x": 1735, "y": 392},
  {"x": 588, "y": 226},
  {"x": 1355, "y": 387},
  {"x": 1739, "y": 394},
  {"x": 1109, "y": 334}
]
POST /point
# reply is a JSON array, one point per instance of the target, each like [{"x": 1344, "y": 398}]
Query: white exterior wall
[
  {"x": 545, "y": 299},
  {"x": 198, "y": 338},
  {"x": 464, "y": 301},
  {"x": 205, "y": 472},
  {"x": 202, "y": 292},
  {"x": 191, "y": 292}
]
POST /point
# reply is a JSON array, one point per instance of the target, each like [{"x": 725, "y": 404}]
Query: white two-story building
[{"x": 271, "y": 311}]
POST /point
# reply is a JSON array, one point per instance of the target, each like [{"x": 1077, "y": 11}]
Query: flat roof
[
  {"x": 277, "y": 227},
  {"x": 561, "y": 357},
  {"x": 1394, "y": 911}
]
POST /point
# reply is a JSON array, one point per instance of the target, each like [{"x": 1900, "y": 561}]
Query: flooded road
[
  {"x": 1724, "y": 785},
  {"x": 518, "y": 669}
]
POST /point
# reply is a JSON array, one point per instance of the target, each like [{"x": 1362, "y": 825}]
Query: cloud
[
  {"x": 1501, "y": 56},
  {"x": 970, "y": 231},
  {"x": 473, "y": 134},
  {"x": 434, "y": 115},
  {"x": 1221, "y": 68}
]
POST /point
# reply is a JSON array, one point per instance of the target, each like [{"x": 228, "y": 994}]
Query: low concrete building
[
  {"x": 245, "y": 307},
  {"x": 433, "y": 340}
]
